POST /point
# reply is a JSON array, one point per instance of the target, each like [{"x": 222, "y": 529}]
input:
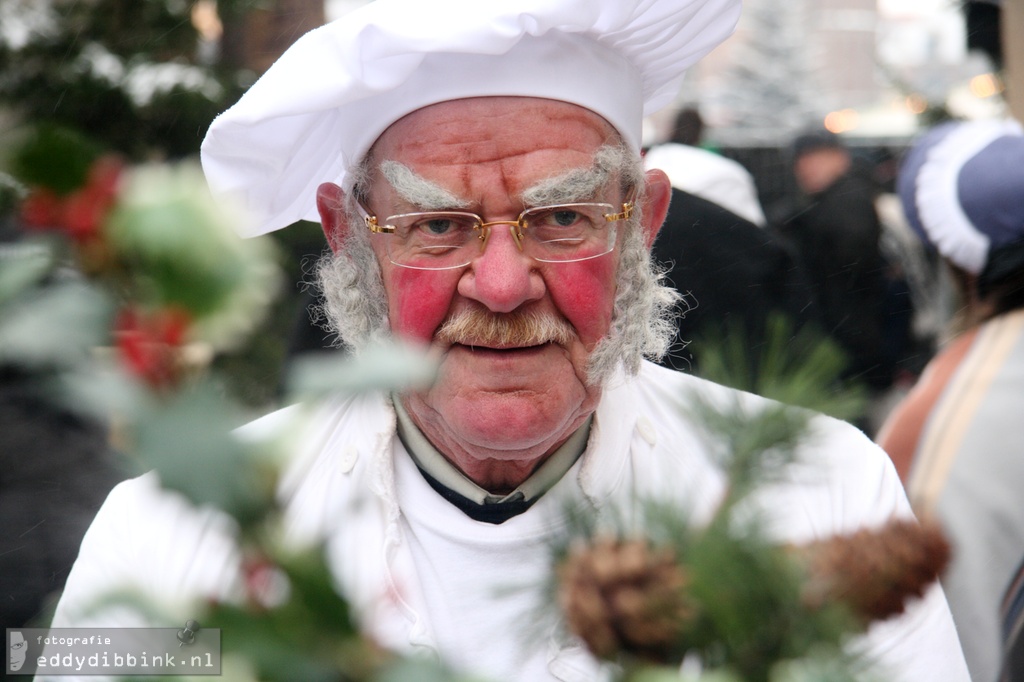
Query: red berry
[{"x": 42, "y": 209}]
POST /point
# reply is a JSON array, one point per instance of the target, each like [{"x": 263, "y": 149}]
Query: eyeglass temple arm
[
  {"x": 627, "y": 210},
  {"x": 371, "y": 222}
]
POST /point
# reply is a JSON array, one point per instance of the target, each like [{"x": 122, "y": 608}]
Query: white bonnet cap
[
  {"x": 321, "y": 106},
  {"x": 962, "y": 189}
]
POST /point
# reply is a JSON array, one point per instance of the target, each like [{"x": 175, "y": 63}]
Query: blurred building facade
[
  {"x": 867, "y": 68},
  {"x": 262, "y": 33}
]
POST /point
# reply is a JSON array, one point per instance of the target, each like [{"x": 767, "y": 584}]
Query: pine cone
[
  {"x": 875, "y": 572},
  {"x": 625, "y": 596}
]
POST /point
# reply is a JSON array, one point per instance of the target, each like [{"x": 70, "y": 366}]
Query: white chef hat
[{"x": 320, "y": 107}]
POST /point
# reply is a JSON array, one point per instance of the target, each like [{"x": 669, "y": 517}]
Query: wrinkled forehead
[{"x": 526, "y": 138}]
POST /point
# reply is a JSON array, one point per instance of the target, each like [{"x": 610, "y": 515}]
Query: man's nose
[{"x": 502, "y": 277}]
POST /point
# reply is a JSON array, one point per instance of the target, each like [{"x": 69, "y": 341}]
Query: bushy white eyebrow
[
  {"x": 417, "y": 190},
  {"x": 577, "y": 184}
]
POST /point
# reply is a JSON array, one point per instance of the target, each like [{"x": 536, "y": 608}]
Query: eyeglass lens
[{"x": 439, "y": 240}]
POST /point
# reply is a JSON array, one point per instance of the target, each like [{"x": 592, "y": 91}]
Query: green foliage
[
  {"x": 176, "y": 247},
  {"x": 752, "y": 616},
  {"x": 159, "y": 241},
  {"x": 24, "y": 267},
  {"x": 288, "y": 621},
  {"x": 388, "y": 366},
  {"x": 256, "y": 371},
  {"x": 54, "y": 157},
  {"x": 799, "y": 368},
  {"x": 309, "y": 636},
  {"x": 51, "y": 325},
  {"x": 187, "y": 439},
  {"x": 56, "y": 326},
  {"x": 752, "y": 447},
  {"x": 652, "y": 674},
  {"x": 131, "y": 76},
  {"x": 89, "y": 65},
  {"x": 748, "y": 618},
  {"x": 47, "y": 322}
]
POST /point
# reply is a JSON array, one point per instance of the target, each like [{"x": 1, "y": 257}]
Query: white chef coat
[{"x": 352, "y": 485}]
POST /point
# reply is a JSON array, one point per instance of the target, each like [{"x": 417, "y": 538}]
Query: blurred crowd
[{"x": 917, "y": 276}]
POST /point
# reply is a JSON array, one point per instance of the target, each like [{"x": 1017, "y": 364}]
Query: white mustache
[{"x": 475, "y": 327}]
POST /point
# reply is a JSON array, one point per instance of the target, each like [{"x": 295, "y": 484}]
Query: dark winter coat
[
  {"x": 733, "y": 275},
  {"x": 835, "y": 236}
]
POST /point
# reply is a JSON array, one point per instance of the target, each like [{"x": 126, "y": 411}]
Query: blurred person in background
[
  {"x": 957, "y": 440},
  {"x": 733, "y": 277},
  {"x": 703, "y": 172},
  {"x": 834, "y": 230}
]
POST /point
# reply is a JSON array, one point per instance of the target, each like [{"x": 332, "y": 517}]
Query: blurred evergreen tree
[
  {"x": 136, "y": 76},
  {"x": 144, "y": 78},
  {"x": 772, "y": 92}
]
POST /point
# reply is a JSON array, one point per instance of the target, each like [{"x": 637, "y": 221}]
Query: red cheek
[
  {"x": 419, "y": 301},
  {"x": 584, "y": 293}
]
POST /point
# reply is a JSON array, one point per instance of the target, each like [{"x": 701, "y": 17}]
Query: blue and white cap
[
  {"x": 962, "y": 189},
  {"x": 319, "y": 108}
]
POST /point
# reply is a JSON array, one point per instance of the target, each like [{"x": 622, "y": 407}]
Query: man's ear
[
  {"x": 330, "y": 202},
  {"x": 655, "y": 203}
]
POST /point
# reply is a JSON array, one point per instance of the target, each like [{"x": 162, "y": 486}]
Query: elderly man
[{"x": 476, "y": 169}]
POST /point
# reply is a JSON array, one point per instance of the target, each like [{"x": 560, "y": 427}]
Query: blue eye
[
  {"x": 432, "y": 225},
  {"x": 564, "y": 218},
  {"x": 576, "y": 216},
  {"x": 436, "y": 225}
]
